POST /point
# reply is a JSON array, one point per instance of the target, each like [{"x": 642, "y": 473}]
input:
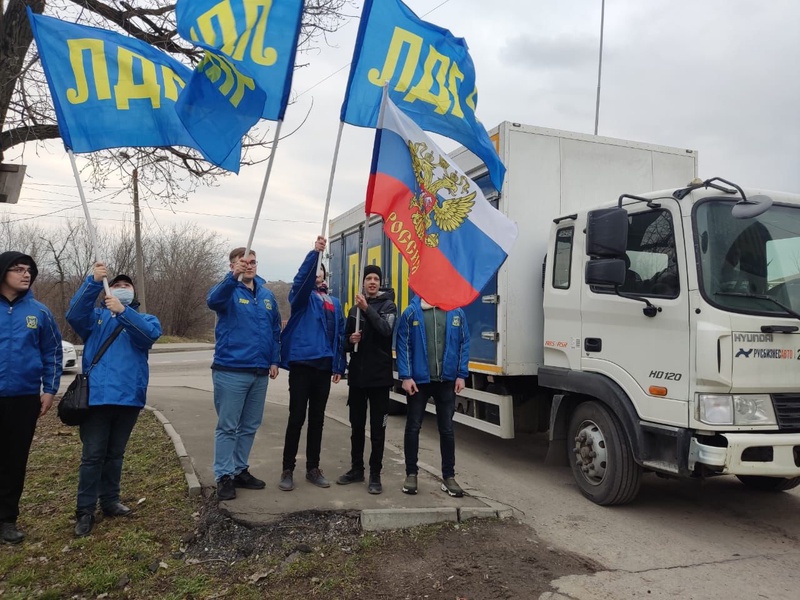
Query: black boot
[
  {"x": 375, "y": 486},
  {"x": 84, "y": 525},
  {"x": 10, "y": 533},
  {"x": 352, "y": 476}
]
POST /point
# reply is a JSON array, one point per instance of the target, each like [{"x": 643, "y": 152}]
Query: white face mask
[{"x": 124, "y": 295}]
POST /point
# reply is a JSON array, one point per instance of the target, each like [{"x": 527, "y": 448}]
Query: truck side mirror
[
  {"x": 607, "y": 233},
  {"x": 605, "y": 271}
]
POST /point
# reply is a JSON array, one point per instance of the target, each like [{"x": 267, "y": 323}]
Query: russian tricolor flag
[{"x": 451, "y": 237}]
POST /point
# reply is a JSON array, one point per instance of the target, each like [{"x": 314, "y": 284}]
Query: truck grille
[{"x": 787, "y": 408}]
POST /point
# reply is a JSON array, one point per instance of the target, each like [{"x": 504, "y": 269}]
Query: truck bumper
[{"x": 773, "y": 455}]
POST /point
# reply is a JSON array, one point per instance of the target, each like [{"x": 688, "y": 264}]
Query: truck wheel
[
  {"x": 769, "y": 484},
  {"x": 601, "y": 458}
]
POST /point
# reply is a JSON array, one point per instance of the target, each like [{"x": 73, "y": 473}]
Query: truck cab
[{"x": 671, "y": 339}]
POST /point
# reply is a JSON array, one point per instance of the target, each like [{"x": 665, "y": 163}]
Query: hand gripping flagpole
[
  {"x": 263, "y": 191},
  {"x": 384, "y": 95},
  {"x": 89, "y": 226}
]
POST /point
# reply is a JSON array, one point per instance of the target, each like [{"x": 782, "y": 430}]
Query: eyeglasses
[{"x": 19, "y": 270}]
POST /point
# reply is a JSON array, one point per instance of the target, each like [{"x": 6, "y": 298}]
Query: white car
[{"x": 70, "y": 360}]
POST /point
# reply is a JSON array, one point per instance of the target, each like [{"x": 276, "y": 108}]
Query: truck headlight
[
  {"x": 753, "y": 409},
  {"x": 735, "y": 409},
  {"x": 715, "y": 409}
]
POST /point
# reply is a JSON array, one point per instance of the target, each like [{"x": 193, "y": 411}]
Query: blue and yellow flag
[
  {"x": 430, "y": 75},
  {"x": 113, "y": 91},
  {"x": 258, "y": 38}
]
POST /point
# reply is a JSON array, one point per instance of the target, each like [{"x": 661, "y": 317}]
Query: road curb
[
  {"x": 192, "y": 481},
  {"x": 375, "y": 519}
]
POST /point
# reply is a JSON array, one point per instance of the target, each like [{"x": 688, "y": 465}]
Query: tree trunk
[{"x": 15, "y": 38}]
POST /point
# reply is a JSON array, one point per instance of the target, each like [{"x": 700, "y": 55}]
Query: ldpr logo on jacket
[{"x": 32, "y": 322}]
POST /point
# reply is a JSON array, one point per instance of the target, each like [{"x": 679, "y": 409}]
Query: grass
[
  {"x": 154, "y": 554},
  {"x": 143, "y": 556},
  {"x": 174, "y": 339},
  {"x": 120, "y": 552}
]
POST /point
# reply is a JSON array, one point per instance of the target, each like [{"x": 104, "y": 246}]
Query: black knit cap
[{"x": 370, "y": 269}]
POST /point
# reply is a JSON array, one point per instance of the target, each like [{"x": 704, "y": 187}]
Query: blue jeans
[
  {"x": 239, "y": 399},
  {"x": 444, "y": 397},
  {"x": 105, "y": 435}
]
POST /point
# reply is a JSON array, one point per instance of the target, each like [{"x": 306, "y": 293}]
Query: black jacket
[{"x": 371, "y": 366}]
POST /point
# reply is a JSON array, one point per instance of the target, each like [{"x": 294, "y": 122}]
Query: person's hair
[
  {"x": 239, "y": 253},
  {"x": 324, "y": 271}
]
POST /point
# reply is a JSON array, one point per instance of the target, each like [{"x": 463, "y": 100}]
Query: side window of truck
[
  {"x": 562, "y": 261},
  {"x": 650, "y": 258}
]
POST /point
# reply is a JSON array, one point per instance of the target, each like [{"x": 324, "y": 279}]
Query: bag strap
[{"x": 105, "y": 346}]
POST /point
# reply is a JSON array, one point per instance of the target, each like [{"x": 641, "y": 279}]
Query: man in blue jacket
[
  {"x": 246, "y": 357},
  {"x": 30, "y": 373},
  {"x": 432, "y": 361},
  {"x": 313, "y": 352},
  {"x": 117, "y": 388}
]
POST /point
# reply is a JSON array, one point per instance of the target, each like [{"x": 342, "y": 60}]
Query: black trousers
[
  {"x": 18, "y": 416},
  {"x": 308, "y": 391},
  {"x": 377, "y": 399}
]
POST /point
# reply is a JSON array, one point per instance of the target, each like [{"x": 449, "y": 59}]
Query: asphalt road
[{"x": 691, "y": 540}]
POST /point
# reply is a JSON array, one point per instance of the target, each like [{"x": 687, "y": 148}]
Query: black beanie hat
[{"x": 370, "y": 269}]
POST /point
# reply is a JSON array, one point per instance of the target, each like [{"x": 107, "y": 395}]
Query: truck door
[{"x": 647, "y": 356}]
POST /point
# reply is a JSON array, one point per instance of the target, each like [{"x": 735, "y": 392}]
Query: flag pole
[
  {"x": 599, "y": 67},
  {"x": 89, "y": 226},
  {"x": 384, "y": 95},
  {"x": 263, "y": 191},
  {"x": 330, "y": 188}
]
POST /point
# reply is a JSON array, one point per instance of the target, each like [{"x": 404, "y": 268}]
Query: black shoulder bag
[{"x": 74, "y": 405}]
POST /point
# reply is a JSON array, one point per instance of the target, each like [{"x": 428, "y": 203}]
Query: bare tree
[
  {"x": 27, "y": 113},
  {"x": 185, "y": 262}
]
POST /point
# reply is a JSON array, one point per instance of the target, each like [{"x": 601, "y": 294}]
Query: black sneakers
[
  {"x": 84, "y": 525},
  {"x": 226, "y": 490},
  {"x": 10, "y": 533},
  {"x": 375, "y": 486},
  {"x": 316, "y": 477},
  {"x": 247, "y": 481},
  {"x": 287, "y": 481},
  {"x": 352, "y": 476},
  {"x": 118, "y": 509},
  {"x": 410, "y": 484}
]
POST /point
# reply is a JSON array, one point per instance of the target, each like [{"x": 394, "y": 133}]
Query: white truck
[{"x": 647, "y": 331}]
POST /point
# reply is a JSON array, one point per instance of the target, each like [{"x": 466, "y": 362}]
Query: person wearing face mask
[
  {"x": 117, "y": 388},
  {"x": 312, "y": 350},
  {"x": 30, "y": 372}
]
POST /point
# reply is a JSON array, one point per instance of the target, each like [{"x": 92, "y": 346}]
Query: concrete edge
[
  {"x": 192, "y": 481},
  {"x": 374, "y": 519},
  {"x": 381, "y": 519}
]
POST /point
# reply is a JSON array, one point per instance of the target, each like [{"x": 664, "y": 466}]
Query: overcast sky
[{"x": 718, "y": 76}]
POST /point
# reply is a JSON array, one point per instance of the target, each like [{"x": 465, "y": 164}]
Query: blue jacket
[
  {"x": 122, "y": 374},
  {"x": 305, "y": 336},
  {"x": 248, "y": 330},
  {"x": 30, "y": 347},
  {"x": 412, "y": 347}
]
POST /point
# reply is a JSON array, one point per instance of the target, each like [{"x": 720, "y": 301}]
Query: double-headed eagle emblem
[{"x": 450, "y": 214}]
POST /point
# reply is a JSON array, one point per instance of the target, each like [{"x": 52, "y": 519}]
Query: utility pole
[
  {"x": 599, "y": 67},
  {"x": 137, "y": 230}
]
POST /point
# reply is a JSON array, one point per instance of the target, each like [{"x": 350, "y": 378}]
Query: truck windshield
[{"x": 749, "y": 265}]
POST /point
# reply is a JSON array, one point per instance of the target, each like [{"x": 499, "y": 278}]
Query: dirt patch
[{"x": 326, "y": 555}]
